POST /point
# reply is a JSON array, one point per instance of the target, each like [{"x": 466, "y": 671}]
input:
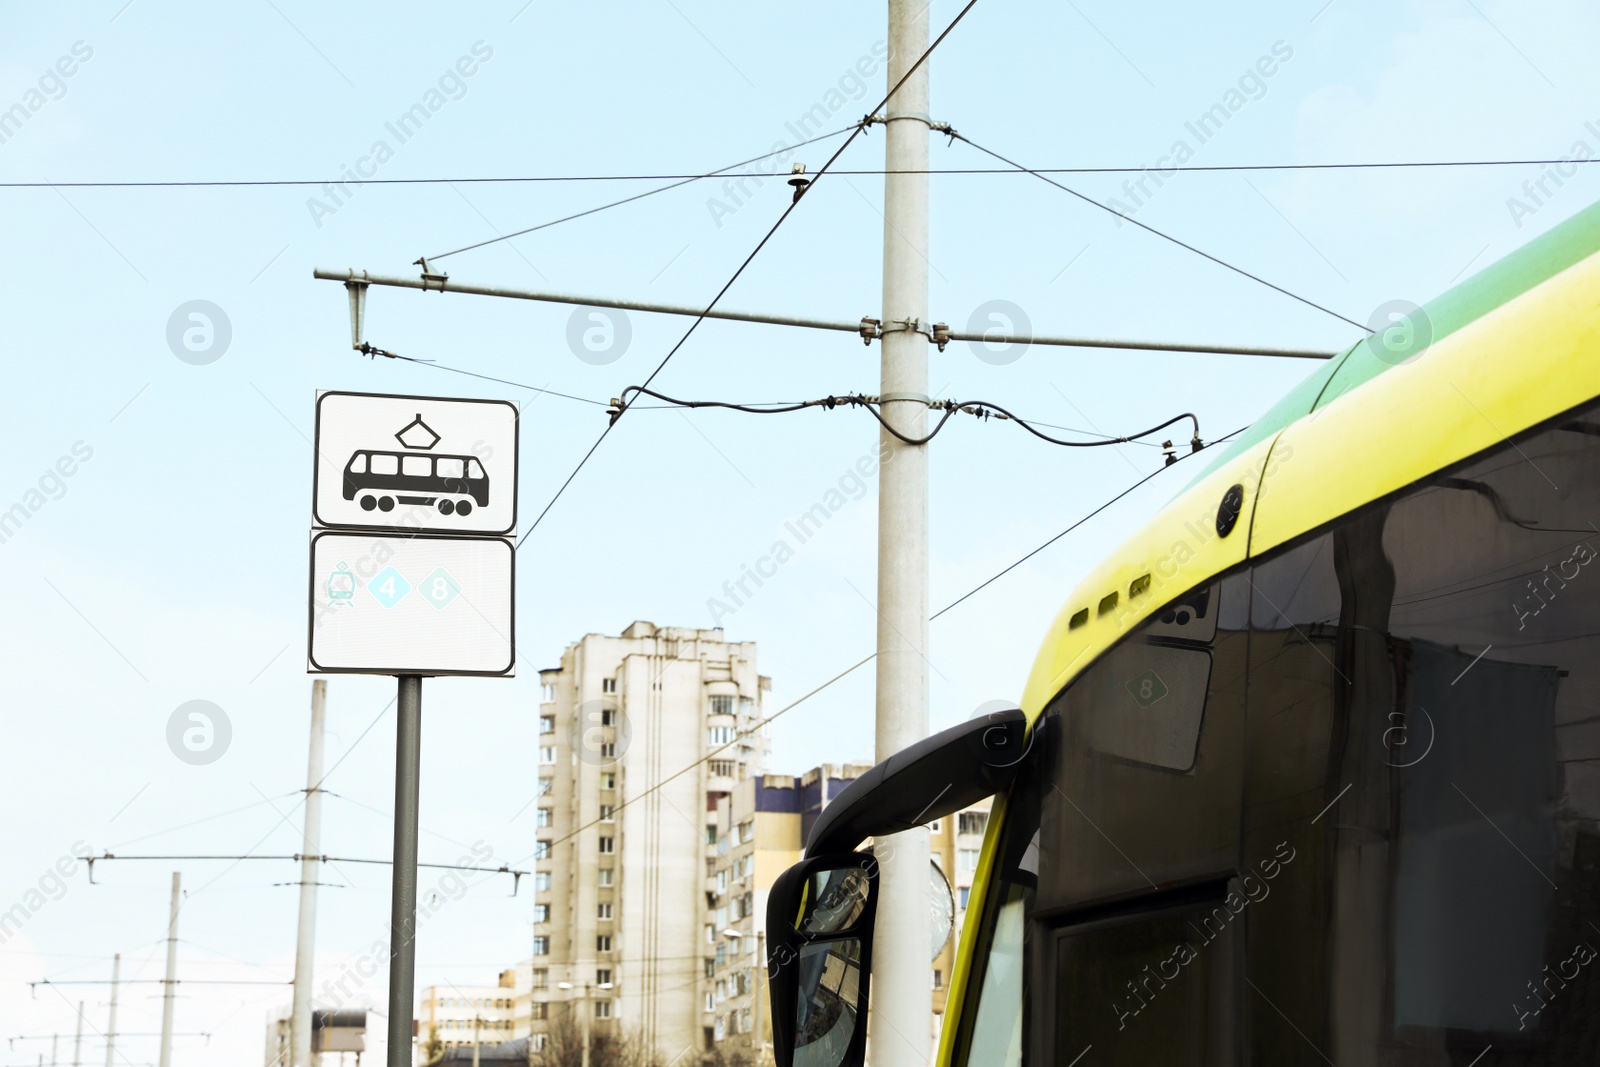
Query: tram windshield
[{"x": 1348, "y": 810}]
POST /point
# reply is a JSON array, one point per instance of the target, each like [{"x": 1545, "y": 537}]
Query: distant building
[
  {"x": 333, "y": 1033},
  {"x": 453, "y": 1016}
]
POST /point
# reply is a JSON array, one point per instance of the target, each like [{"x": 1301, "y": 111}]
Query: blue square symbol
[
  {"x": 439, "y": 588},
  {"x": 389, "y": 587}
]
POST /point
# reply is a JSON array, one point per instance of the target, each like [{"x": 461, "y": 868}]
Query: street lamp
[{"x": 583, "y": 1021}]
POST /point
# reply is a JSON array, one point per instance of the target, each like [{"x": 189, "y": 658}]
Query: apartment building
[{"x": 641, "y": 736}]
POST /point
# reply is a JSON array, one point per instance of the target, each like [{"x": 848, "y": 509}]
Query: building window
[
  {"x": 722, "y": 990},
  {"x": 548, "y": 693},
  {"x": 604, "y": 911},
  {"x": 602, "y": 943},
  {"x": 933, "y": 827},
  {"x": 605, "y": 875},
  {"x": 547, "y": 724},
  {"x": 608, "y": 750},
  {"x": 541, "y": 882},
  {"x": 602, "y": 976},
  {"x": 607, "y": 845},
  {"x": 602, "y": 1009},
  {"x": 972, "y": 822},
  {"x": 544, "y": 817},
  {"x": 608, "y": 685},
  {"x": 723, "y": 768},
  {"x": 747, "y": 831},
  {"x": 711, "y": 967},
  {"x": 608, "y": 717},
  {"x": 722, "y": 953},
  {"x": 608, "y": 780},
  {"x": 938, "y": 978},
  {"x": 547, "y": 755},
  {"x": 711, "y": 1002},
  {"x": 540, "y": 1010},
  {"x": 967, "y": 860},
  {"x": 541, "y": 946},
  {"x": 607, "y": 813},
  {"x": 536, "y": 1042},
  {"x": 744, "y": 1020},
  {"x": 722, "y": 704},
  {"x": 544, "y": 787},
  {"x": 722, "y": 880},
  {"x": 718, "y": 736},
  {"x": 711, "y": 833},
  {"x": 541, "y": 913},
  {"x": 541, "y": 850},
  {"x": 541, "y": 978}
]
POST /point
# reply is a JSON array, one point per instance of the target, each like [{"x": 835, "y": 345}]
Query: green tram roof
[{"x": 1502, "y": 281}]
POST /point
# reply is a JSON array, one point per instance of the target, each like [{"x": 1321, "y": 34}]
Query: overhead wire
[
  {"x": 755, "y": 727},
  {"x": 686, "y": 179},
  {"x": 789, "y": 210},
  {"x": 955, "y": 135},
  {"x": 225, "y": 183}
]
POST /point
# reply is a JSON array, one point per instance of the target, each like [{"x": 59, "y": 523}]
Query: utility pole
[
  {"x": 111, "y": 1023},
  {"x": 77, "y": 1040},
  {"x": 169, "y": 986},
  {"x": 310, "y": 849},
  {"x": 902, "y": 987}
]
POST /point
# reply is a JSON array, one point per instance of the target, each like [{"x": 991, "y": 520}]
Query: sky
[{"x": 165, "y": 551}]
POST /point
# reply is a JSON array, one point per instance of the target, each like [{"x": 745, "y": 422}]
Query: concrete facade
[{"x": 624, "y": 859}]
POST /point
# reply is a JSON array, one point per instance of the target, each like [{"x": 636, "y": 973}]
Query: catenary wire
[
  {"x": 787, "y": 211},
  {"x": 854, "y": 172},
  {"x": 983, "y": 409},
  {"x": 867, "y": 659},
  {"x": 1159, "y": 233},
  {"x": 685, "y": 180}
]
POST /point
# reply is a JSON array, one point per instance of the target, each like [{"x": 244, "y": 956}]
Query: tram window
[
  {"x": 416, "y": 466},
  {"x": 358, "y": 463},
  {"x": 473, "y": 469},
  {"x": 385, "y": 463},
  {"x": 449, "y": 467}
]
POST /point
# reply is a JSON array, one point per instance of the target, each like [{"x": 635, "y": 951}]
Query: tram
[{"x": 1308, "y": 770}]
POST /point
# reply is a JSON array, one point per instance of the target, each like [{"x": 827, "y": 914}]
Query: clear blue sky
[{"x": 170, "y": 565}]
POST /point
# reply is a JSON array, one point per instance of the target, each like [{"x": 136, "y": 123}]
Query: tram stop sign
[
  {"x": 415, "y": 464},
  {"x": 414, "y": 502}
]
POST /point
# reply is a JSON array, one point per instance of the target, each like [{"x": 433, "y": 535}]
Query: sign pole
[{"x": 403, "y": 897}]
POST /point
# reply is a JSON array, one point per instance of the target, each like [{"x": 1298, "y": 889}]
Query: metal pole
[
  {"x": 111, "y": 1023},
  {"x": 169, "y": 986},
  {"x": 77, "y": 1040},
  {"x": 358, "y": 280},
  {"x": 902, "y": 986},
  {"x": 583, "y": 1021},
  {"x": 53, "y": 1061},
  {"x": 477, "y": 1018},
  {"x": 310, "y": 849},
  {"x": 403, "y": 895}
]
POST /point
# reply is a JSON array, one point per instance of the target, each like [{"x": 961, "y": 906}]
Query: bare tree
[{"x": 612, "y": 1047}]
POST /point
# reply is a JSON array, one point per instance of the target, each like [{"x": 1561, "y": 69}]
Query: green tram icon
[{"x": 378, "y": 479}]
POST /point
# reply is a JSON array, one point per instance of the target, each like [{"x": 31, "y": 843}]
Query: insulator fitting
[
  {"x": 871, "y": 329},
  {"x": 941, "y": 335}
]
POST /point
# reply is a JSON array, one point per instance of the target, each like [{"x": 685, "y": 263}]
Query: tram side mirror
[{"x": 820, "y": 916}]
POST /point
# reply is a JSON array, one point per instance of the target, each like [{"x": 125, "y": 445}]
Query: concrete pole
[
  {"x": 170, "y": 985},
  {"x": 902, "y": 987},
  {"x": 77, "y": 1040},
  {"x": 305, "y": 944},
  {"x": 583, "y": 1021},
  {"x": 477, "y": 1018},
  {"x": 53, "y": 1060},
  {"x": 403, "y": 894},
  {"x": 111, "y": 1023}
]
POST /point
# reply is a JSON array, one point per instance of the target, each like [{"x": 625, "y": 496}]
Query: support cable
[
  {"x": 685, "y": 180},
  {"x": 799, "y": 192},
  {"x": 954, "y": 135}
]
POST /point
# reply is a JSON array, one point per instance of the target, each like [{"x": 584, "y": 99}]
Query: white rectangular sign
[
  {"x": 415, "y": 463},
  {"x": 401, "y": 604}
]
